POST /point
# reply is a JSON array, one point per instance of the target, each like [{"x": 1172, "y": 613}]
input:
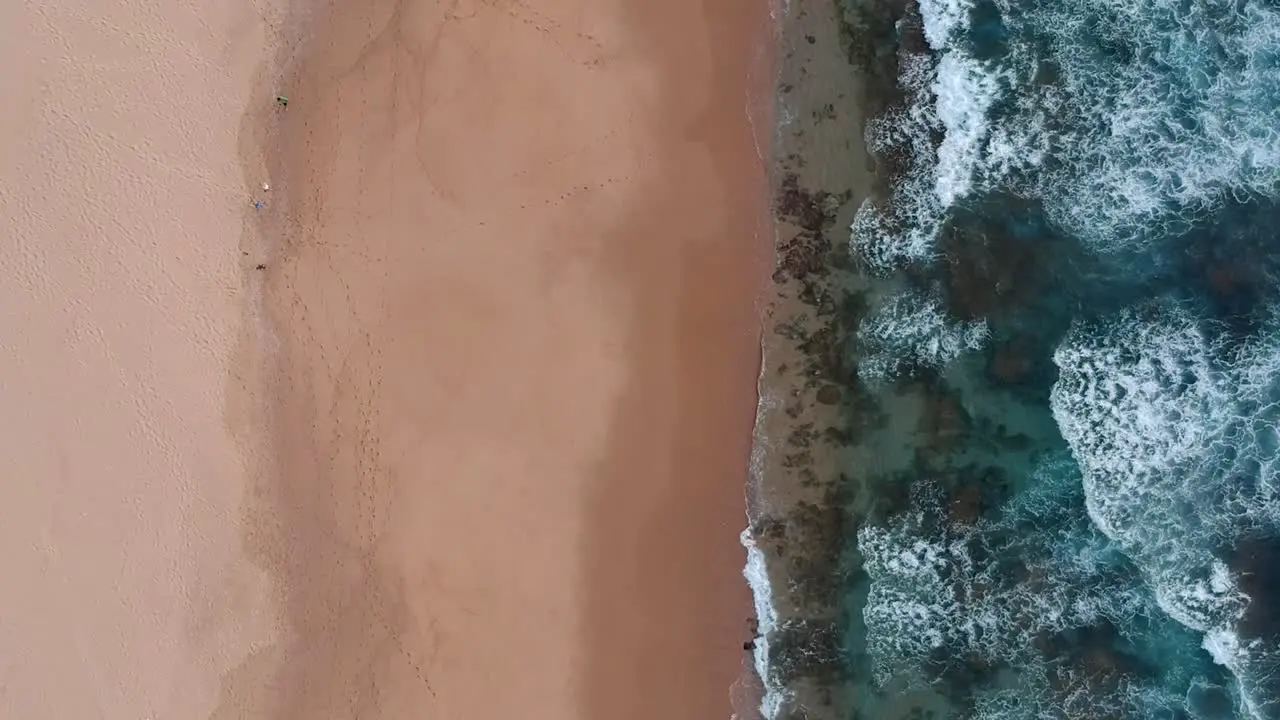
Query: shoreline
[
  {"x": 819, "y": 173},
  {"x": 371, "y": 551},
  {"x": 685, "y": 548}
]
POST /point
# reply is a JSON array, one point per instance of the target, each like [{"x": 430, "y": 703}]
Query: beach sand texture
[
  {"x": 455, "y": 426},
  {"x": 125, "y": 593}
]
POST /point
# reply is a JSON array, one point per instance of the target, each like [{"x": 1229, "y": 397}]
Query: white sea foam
[
  {"x": 964, "y": 91},
  {"x": 913, "y": 329},
  {"x": 904, "y": 229},
  {"x": 1185, "y": 126},
  {"x": 953, "y": 95},
  {"x": 1140, "y": 147},
  {"x": 928, "y": 592},
  {"x": 1033, "y": 699},
  {"x": 1141, "y": 403},
  {"x": 942, "y": 19},
  {"x": 756, "y": 570},
  {"x": 1171, "y": 431},
  {"x": 756, "y": 573},
  {"x": 1152, "y": 115}
]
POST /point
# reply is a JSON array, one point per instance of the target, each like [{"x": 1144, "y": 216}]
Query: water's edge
[{"x": 797, "y": 529}]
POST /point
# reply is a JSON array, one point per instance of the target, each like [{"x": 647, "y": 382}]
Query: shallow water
[{"x": 1065, "y": 321}]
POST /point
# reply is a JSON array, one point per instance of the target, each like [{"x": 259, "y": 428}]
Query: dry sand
[
  {"x": 494, "y": 410},
  {"x": 124, "y": 592}
]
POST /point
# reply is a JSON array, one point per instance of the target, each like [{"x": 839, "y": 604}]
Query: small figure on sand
[
  {"x": 753, "y": 626},
  {"x": 282, "y": 100},
  {"x": 259, "y": 204}
]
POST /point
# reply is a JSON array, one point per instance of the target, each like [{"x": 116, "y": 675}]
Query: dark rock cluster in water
[{"x": 807, "y": 541}]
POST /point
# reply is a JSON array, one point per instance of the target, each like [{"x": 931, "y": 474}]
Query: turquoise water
[{"x": 1068, "y": 306}]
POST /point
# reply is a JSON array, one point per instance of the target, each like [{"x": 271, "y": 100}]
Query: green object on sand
[{"x": 284, "y": 101}]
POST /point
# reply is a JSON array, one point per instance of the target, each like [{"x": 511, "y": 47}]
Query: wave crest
[{"x": 1175, "y": 434}]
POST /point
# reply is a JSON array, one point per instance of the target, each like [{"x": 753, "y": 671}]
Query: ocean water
[{"x": 1060, "y": 307}]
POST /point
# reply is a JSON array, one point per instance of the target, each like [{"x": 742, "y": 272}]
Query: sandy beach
[
  {"x": 454, "y": 426},
  {"x": 126, "y": 593}
]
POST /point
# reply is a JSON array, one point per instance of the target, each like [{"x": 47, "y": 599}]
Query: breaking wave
[
  {"x": 913, "y": 330},
  {"x": 1130, "y": 571},
  {"x": 1177, "y": 437},
  {"x": 1003, "y": 600},
  {"x": 1130, "y": 120}
]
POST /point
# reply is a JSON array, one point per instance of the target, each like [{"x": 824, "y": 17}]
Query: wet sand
[
  {"x": 665, "y": 599},
  {"x": 519, "y": 246},
  {"x": 454, "y": 426}
]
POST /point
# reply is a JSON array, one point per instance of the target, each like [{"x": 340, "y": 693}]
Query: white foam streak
[
  {"x": 941, "y": 20},
  {"x": 756, "y": 570},
  {"x": 964, "y": 92},
  {"x": 912, "y": 328},
  {"x": 757, "y": 575}
]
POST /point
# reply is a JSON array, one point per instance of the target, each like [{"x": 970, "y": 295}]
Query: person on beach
[{"x": 753, "y": 625}]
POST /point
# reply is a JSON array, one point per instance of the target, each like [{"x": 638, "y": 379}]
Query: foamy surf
[
  {"x": 757, "y": 576},
  {"x": 1056, "y": 363},
  {"x": 760, "y": 486},
  {"x": 1175, "y": 436}
]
